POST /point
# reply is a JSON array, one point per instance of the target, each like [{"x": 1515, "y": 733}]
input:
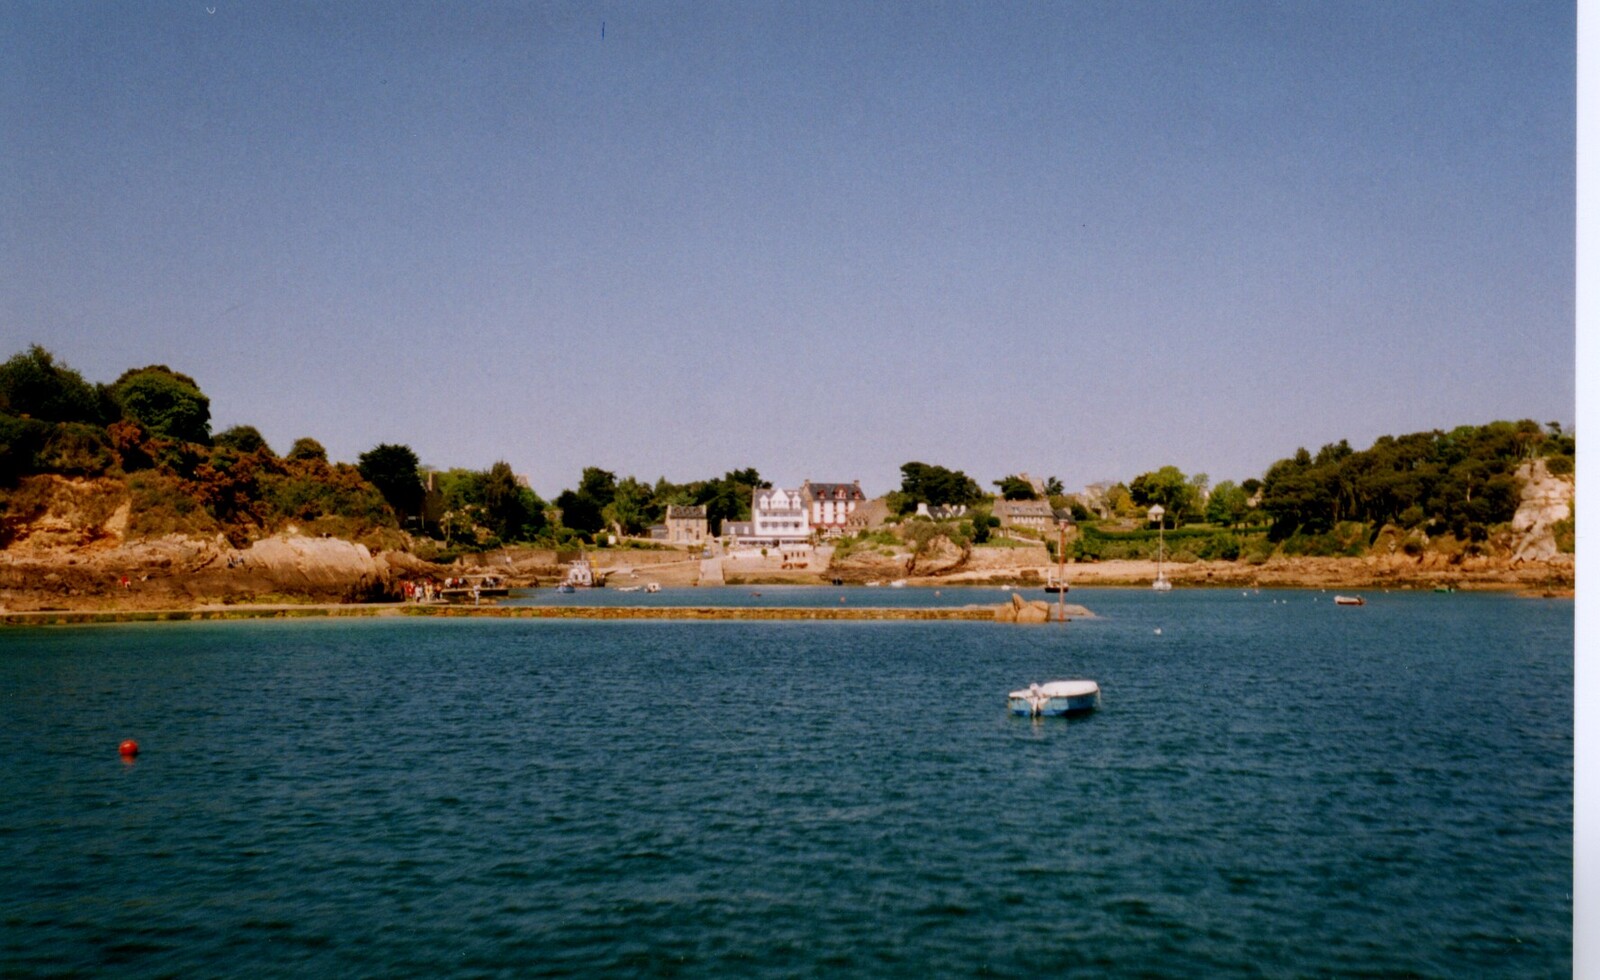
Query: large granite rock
[{"x": 1546, "y": 501}]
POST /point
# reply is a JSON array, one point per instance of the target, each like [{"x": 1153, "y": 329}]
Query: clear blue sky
[{"x": 1074, "y": 239}]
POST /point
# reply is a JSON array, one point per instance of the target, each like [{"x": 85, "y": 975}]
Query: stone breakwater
[{"x": 985, "y": 614}]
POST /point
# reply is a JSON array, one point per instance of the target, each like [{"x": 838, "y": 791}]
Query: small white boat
[
  {"x": 1161, "y": 584},
  {"x": 653, "y": 587},
  {"x": 898, "y": 583},
  {"x": 1055, "y": 698},
  {"x": 631, "y": 588},
  {"x": 1349, "y": 600}
]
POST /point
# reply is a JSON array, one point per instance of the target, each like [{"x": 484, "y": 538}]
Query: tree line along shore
[{"x": 120, "y": 493}]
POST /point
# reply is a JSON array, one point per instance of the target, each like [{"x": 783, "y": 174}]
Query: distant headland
[{"x": 119, "y": 496}]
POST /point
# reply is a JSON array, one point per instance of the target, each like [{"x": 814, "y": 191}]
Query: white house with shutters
[
  {"x": 779, "y": 517},
  {"x": 777, "y": 525}
]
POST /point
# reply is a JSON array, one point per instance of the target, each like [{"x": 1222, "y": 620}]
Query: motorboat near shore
[
  {"x": 1349, "y": 600},
  {"x": 1055, "y": 698},
  {"x": 582, "y": 574}
]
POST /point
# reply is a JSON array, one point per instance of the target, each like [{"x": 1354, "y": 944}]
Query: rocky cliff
[
  {"x": 67, "y": 543},
  {"x": 1546, "y": 503}
]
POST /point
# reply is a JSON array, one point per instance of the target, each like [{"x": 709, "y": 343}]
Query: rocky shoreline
[
  {"x": 1554, "y": 577},
  {"x": 1016, "y": 611},
  {"x": 183, "y": 574},
  {"x": 76, "y": 553}
]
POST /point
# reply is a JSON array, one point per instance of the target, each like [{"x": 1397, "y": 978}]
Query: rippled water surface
[{"x": 1273, "y": 786}]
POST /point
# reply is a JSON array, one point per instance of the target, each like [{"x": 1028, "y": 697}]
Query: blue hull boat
[{"x": 1055, "y": 698}]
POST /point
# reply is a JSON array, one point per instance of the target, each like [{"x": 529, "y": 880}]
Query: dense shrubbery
[
  {"x": 152, "y": 428},
  {"x": 865, "y": 541},
  {"x": 161, "y": 503},
  {"x": 487, "y": 507},
  {"x": 1348, "y": 539},
  {"x": 1460, "y": 482},
  {"x": 1182, "y": 544},
  {"x": 164, "y": 402},
  {"x": 32, "y": 384}
]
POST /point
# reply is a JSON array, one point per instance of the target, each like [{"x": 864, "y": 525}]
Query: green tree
[
  {"x": 394, "y": 470},
  {"x": 1228, "y": 504},
  {"x": 307, "y": 448},
  {"x": 631, "y": 507},
  {"x": 1462, "y": 481},
  {"x": 935, "y": 486},
  {"x": 1014, "y": 487},
  {"x": 1167, "y": 487},
  {"x": 513, "y": 511},
  {"x": 598, "y": 485},
  {"x": 729, "y": 497},
  {"x": 983, "y": 523},
  {"x": 579, "y": 513},
  {"x": 165, "y": 402},
  {"x": 1293, "y": 495},
  {"x": 32, "y": 383},
  {"x": 461, "y": 510},
  {"x": 241, "y": 439},
  {"x": 583, "y": 509}
]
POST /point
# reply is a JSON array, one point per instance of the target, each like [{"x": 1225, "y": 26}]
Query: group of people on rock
[
  {"x": 423, "y": 590},
  {"x": 427, "y": 590}
]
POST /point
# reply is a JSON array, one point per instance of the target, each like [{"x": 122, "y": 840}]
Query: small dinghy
[
  {"x": 1349, "y": 600},
  {"x": 1055, "y": 698}
]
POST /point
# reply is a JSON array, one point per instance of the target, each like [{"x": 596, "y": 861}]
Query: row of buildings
[
  {"x": 790, "y": 520},
  {"x": 779, "y": 518}
]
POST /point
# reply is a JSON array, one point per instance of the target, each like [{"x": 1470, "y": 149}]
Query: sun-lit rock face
[{"x": 1546, "y": 501}]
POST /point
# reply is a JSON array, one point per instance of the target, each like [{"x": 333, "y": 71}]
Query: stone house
[
  {"x": 1033, "y": 515},
  {"x": 687, "y": 525},
  {"x": 868, "y": 516}
]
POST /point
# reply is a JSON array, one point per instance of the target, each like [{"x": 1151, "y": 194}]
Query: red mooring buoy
[{"x": 129, "y": 748}]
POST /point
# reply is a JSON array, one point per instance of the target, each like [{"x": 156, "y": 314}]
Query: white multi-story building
[
  {"x": 779, "y": 518},
  {"x": 829, "y": 505},
  {"x": 777, "y": 527}
]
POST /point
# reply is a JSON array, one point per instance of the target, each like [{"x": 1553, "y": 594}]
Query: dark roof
[
  {"x": 1024, "y": 508},
  {"x": 685, "y": 513},
  {"x": 836, "y": 491}
]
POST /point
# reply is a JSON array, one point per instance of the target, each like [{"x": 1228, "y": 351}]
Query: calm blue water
[{"x": 1274, "y": 786}]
